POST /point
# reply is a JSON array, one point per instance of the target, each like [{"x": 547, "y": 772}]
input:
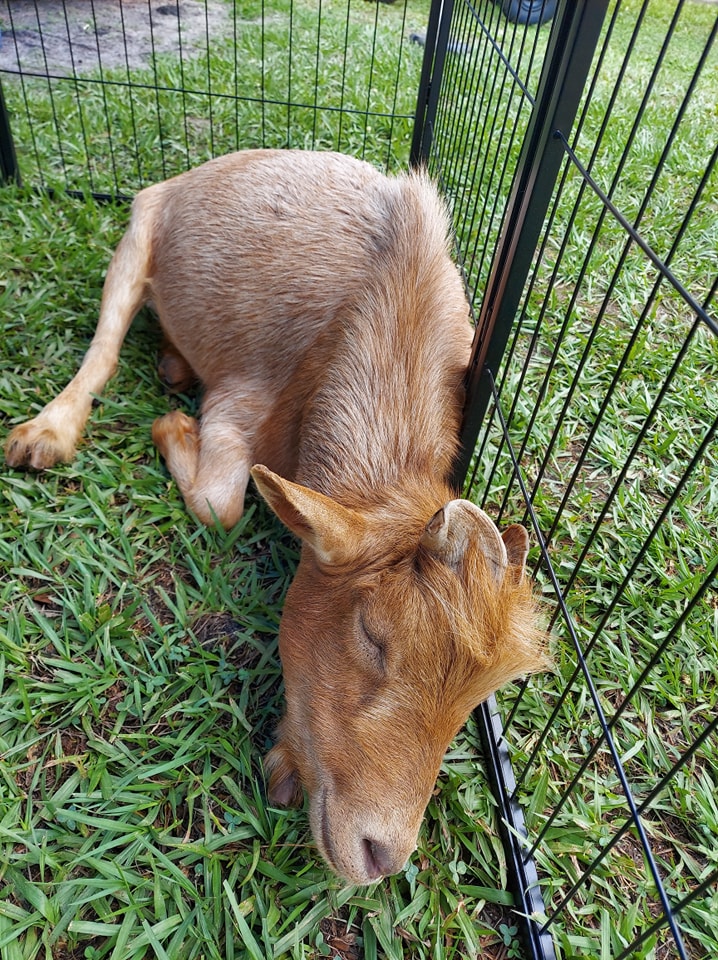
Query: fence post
[
  {"x": 573, "y": 40},
  {"x": 8, "y": 161},
  {"x": 521, "y": 871},
  {"x": 432, "y": 70}
]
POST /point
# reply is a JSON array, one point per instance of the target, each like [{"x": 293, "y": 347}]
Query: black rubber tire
[{"x": 529, "y": 11}]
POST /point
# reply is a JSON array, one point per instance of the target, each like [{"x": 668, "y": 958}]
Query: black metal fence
[
  {"x": 579, "y": 158},
  {"x": 107, "y": 96}
]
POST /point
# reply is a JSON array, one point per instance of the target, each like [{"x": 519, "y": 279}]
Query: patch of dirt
[
  {"x": 340, "y": 938},
  {"x": 76, "y": 37}
]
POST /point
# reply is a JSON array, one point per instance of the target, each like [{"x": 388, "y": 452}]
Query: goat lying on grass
[{"x": 315, "y": 301}]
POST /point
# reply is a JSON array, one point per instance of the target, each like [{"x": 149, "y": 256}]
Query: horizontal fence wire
[{"x": 602, "y": 434}]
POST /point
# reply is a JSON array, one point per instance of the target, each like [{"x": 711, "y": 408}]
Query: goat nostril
[{"x": 377, "y": 859}]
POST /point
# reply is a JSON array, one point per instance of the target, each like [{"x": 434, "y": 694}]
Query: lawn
[
  {"x": 140, "y": 677},
  {"x": 138, "y": 663},
  {"x": 337, "y": 76},
  {"x": 141, "y": 684}
]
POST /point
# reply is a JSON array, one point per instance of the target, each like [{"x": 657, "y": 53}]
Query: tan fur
[{"x": 315, "y": 301}]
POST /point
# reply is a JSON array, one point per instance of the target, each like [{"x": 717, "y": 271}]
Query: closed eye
[{"x": 375, "y": 645}]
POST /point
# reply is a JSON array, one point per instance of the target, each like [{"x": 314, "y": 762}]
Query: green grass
[
  {"x": 350, "y": 84},
  {"x": 139, "y": 674},
  {"x": 141, "y": 683}
]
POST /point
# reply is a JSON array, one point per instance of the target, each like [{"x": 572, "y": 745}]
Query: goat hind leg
[
  {"x": 176, "y": 374},
  {"x": 53, "y": 434}
]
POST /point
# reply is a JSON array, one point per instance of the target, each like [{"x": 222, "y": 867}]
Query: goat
[{"x": 315, "y": 301}]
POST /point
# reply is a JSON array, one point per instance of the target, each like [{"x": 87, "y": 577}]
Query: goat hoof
[
  {"x": 36, "y": 446},
  {"x": 175, "y": 373}
]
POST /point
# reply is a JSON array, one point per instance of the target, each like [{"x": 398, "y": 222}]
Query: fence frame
[{"x": 9, "y": 170}]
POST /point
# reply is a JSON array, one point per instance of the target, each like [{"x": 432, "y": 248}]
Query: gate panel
[{"x": 109, "y": 96}]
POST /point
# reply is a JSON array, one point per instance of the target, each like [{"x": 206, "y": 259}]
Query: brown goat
[{"x": 315, "y": 301}]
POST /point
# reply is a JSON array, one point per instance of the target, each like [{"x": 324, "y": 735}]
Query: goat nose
[{"x": 378, "y": 859}]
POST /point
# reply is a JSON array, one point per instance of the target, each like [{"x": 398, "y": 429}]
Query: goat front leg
[
  {"x": 53, "y": 434},
  {"x": 209, "y": 462}
]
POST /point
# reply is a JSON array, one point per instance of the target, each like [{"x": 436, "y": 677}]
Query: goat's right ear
[
  {"x": 331, "y": 530},
  {"x": 516, "y": 541}
]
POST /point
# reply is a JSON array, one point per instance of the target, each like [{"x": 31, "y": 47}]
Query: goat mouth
[{"x": 326, "y": 840}]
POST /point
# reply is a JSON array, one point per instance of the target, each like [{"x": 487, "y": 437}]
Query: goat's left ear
[
  {"x": 456, "y": 526},
  {"x": 331, "y": 530}
]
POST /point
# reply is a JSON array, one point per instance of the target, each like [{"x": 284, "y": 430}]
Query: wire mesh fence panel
[
  {"x": 488, "y": 90},
  {"x": 110, "y": 95},
  {"x": 602, "y": 434}
]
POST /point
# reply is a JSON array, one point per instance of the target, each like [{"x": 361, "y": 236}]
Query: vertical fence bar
[
  {"x": 568, "y": 59},
  {"x": 9, "y": 170},
  {"x": 521, "y": 869},
  {"x": 432, "y": 70}
]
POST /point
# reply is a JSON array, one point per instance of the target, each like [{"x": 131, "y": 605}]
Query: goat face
[{"x": 389, "y": 638}]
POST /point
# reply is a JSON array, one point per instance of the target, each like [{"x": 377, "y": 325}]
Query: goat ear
[
  {"x": 330, "y": 529},
  {"x": 516, "y": 541},
  {"x": 456, "y": 525}
]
